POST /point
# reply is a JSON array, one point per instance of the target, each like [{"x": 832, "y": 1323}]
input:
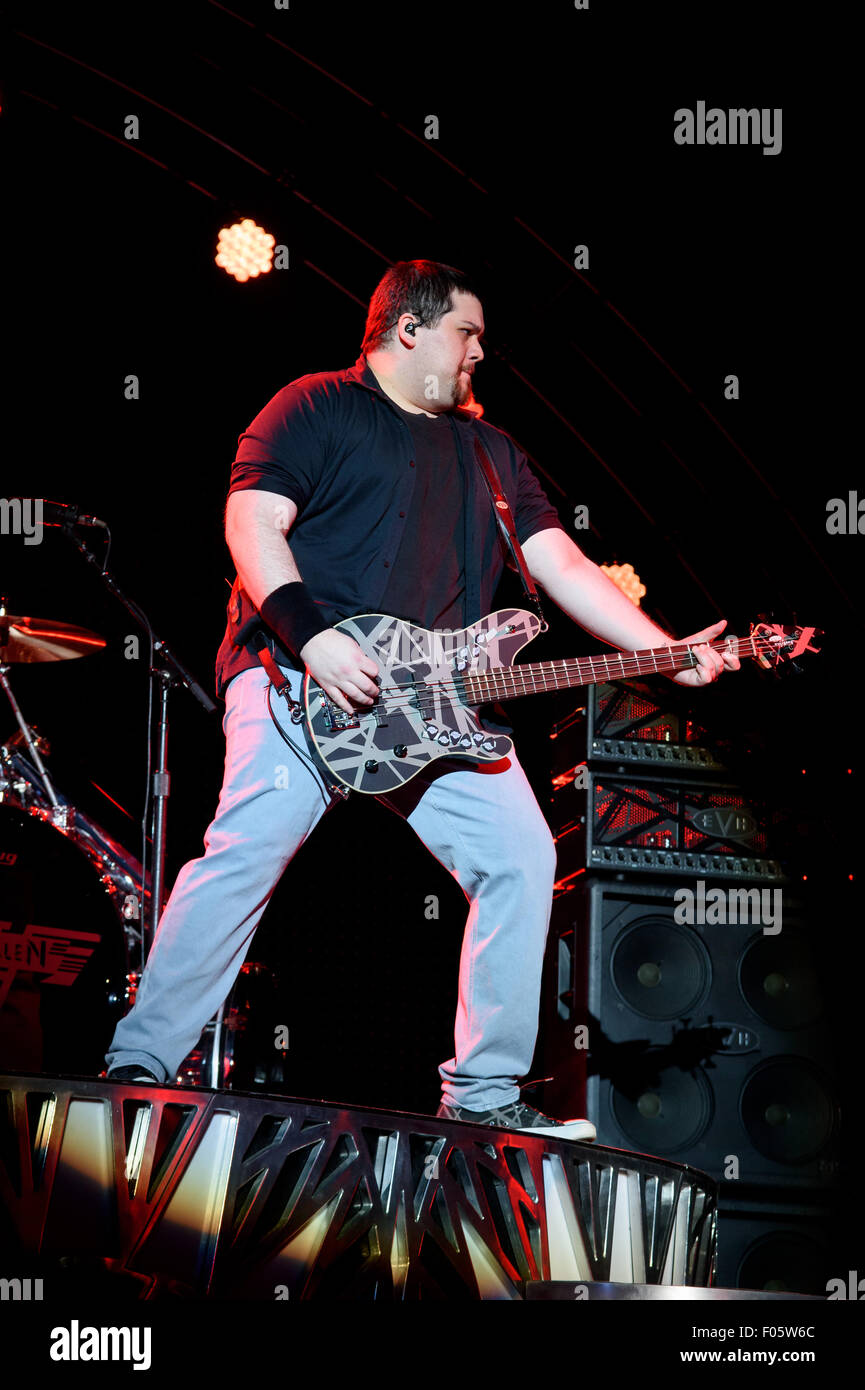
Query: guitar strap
[
  {"x": 505, "y": 519},
  {"x": 279, "y": 681}
]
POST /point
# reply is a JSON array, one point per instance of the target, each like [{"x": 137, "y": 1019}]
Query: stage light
[
  {"x": 624, "y": 578},
  {"x": 244, "y": 249}
]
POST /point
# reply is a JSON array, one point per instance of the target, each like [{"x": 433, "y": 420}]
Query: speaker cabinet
[
  {"x": 776, "y": 1247},
  {"x": 704, "y": 1042}
]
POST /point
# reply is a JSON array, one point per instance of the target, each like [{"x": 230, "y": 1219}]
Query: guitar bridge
[{"x": 336, "y": 718}]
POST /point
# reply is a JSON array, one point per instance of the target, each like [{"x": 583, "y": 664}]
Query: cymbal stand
[
  {"x": 27, "y": 733},
  {"x": 169, "y": 671}
]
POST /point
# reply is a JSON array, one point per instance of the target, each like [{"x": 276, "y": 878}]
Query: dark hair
[{"x": 422, "y": 288}]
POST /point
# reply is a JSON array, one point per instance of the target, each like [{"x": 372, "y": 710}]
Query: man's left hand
[{"x": 711, "y": 663}]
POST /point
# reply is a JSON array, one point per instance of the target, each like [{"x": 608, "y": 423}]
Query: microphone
[{"x": 67, "y": 514}]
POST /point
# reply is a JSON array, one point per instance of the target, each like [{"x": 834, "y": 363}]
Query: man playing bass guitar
[{"x": 356, "y": 492}]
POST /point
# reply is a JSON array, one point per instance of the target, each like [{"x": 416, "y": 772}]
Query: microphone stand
[{"x": 169, "y": 671}]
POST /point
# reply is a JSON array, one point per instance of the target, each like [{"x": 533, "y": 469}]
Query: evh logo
[
  {"x": 58, "y": 955},
  {"x": 725, "y": 823}
]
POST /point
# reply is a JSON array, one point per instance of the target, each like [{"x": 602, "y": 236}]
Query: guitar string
[
  {"x": 747, "y": 646},
  {"x": 565, "y": 666}
]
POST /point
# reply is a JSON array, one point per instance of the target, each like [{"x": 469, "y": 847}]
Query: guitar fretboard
[{"x": 505, "y": 682}]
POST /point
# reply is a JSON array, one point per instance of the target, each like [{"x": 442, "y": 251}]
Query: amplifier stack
[{"x": 683, "y": 1008}]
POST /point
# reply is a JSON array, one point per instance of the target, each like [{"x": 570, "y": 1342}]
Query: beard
[{"x": 462, "y": 388}]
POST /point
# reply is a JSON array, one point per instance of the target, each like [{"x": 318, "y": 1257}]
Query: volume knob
[
  {"x": 400, "y": 750},
  {"x": 371, "y": 765}
]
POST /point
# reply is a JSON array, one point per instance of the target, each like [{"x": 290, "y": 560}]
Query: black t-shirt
[
  {"x": 427, "y": 583},
  {"x": 348, "y": 457}
]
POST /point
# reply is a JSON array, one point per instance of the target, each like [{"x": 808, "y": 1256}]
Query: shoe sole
[
  {"x": 562, "y": 1132},
  {"x": 574, "y": 1131}
]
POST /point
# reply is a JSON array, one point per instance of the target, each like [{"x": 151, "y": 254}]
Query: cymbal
[{"x": 42, "y": 639}]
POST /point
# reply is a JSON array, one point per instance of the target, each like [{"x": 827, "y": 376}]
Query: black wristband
[{"x": 292, "y": 613}]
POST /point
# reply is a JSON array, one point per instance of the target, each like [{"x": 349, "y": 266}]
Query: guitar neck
[{"x": 506, "y": 682}]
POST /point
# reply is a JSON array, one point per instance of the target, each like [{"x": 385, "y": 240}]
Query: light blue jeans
[{"x": 483, "y": 824}]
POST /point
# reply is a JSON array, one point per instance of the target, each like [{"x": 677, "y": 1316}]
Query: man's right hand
[{"x": 340, "y": 667}]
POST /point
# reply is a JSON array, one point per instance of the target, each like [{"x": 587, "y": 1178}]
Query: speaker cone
[
  {"x": 670, "y": 1113},
  {"x": 659, "y": 969},
  {"x": 787, "y": 1110},
  {"x": 779, "y": 982}
]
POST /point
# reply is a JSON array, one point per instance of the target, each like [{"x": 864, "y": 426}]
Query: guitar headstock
[{"x": 780, "y": 644}]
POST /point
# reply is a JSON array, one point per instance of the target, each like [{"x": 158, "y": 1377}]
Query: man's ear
[{"x": 406, "y": 328}]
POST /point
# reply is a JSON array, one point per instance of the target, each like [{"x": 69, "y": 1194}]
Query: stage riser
[{"x": 220, "y": 1194}]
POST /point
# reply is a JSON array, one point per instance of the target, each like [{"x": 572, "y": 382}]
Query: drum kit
[{"x": 73, "y": 904}]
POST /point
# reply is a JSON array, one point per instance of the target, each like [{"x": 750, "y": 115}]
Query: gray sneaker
[
  {"x": 131, "y": 1075},
  {"x": 520, "y": 1116}
]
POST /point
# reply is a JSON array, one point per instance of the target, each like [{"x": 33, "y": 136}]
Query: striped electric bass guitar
[{"x": 431, "y": 684}]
